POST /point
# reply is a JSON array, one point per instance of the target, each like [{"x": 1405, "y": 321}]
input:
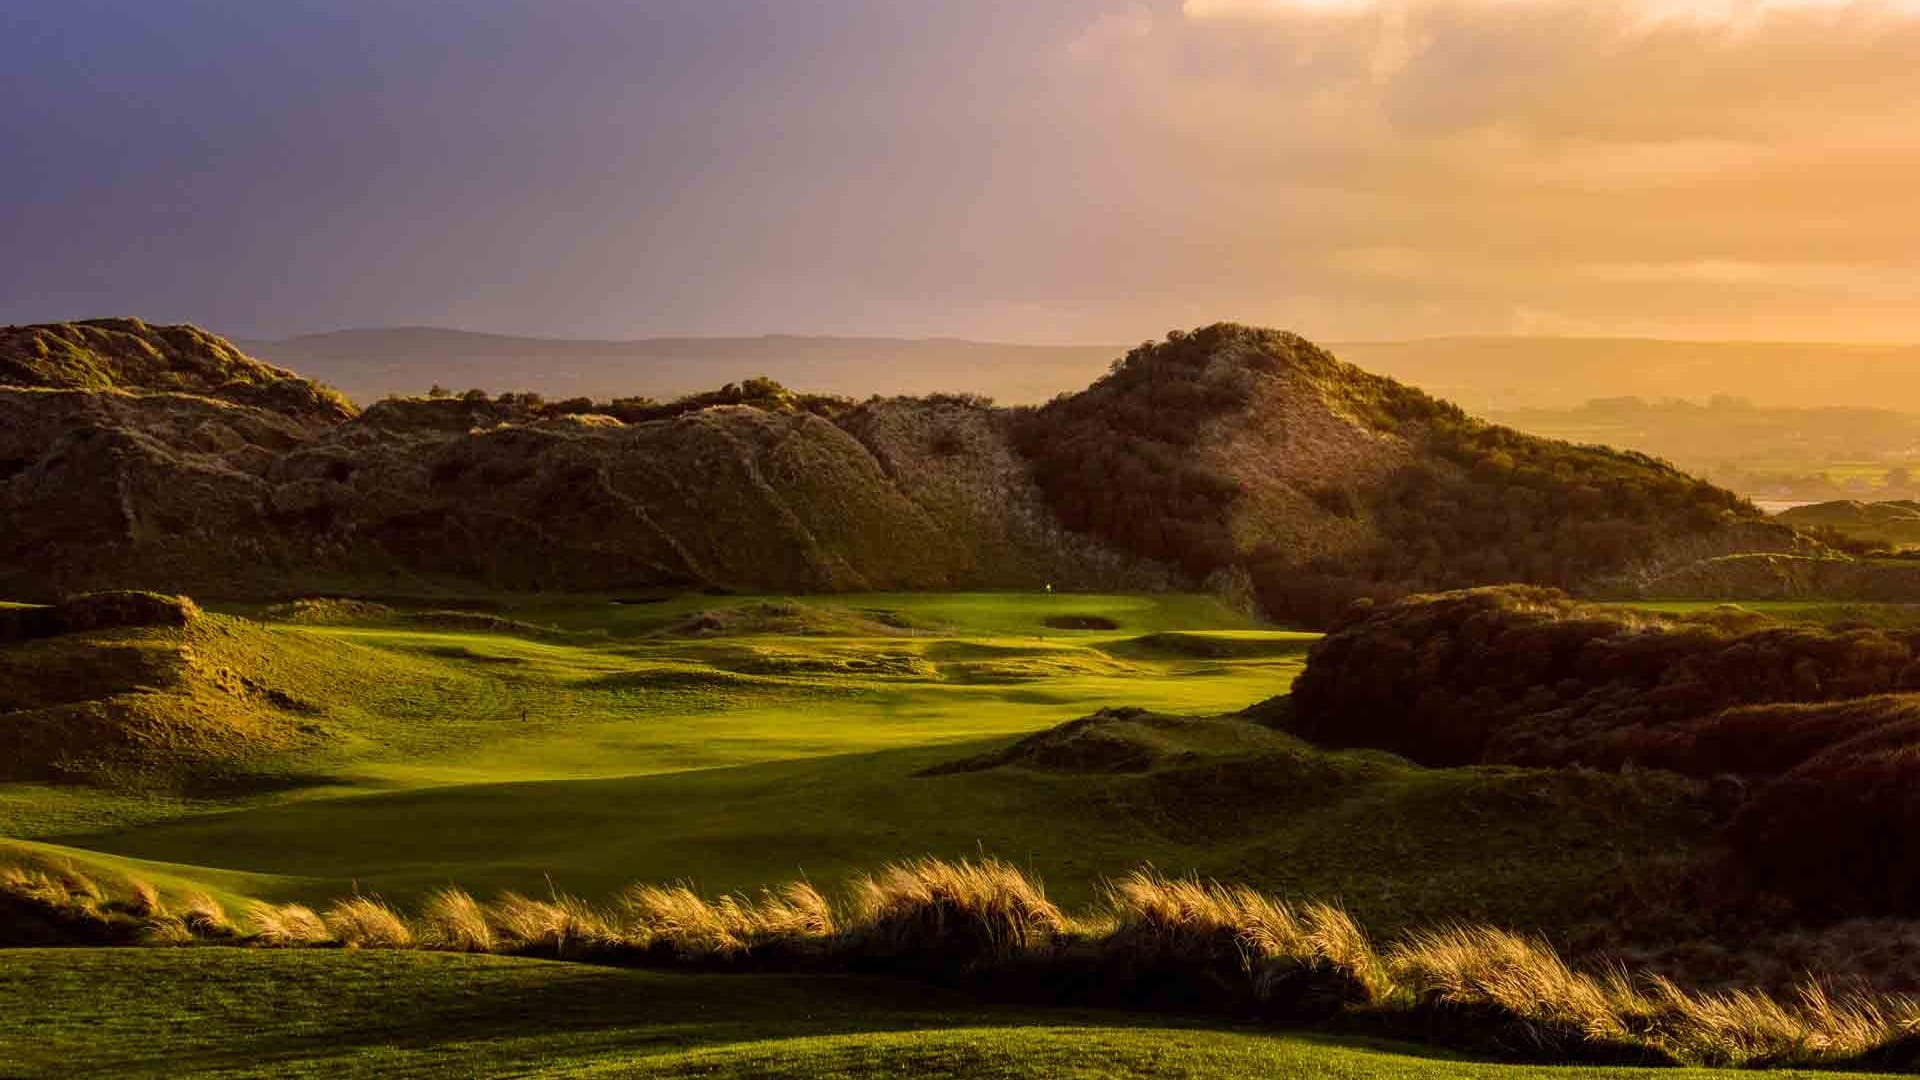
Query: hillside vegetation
[
  {"x": 1816, "y": 730},
  {"x": 1891, "y": 525},
  {"x": 160, "y": 457},
  {"x": 1233, "y": 448}
]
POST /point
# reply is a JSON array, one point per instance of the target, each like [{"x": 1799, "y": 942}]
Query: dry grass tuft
[
  {"x": 205, "y": 917},
  {"x": 1188, "y": 915},
  {"x": 363, "y": 922},
  {"x": 1525, "y": 977},
  {"x": 688, "y": 925},
  {"x": 952, "y": 912},
  {"x": 1199, "y": 922},
  {"x": 795, "y": 910},
  {"x": 455, "y": 922},
  {"x": 167, "y": 930},
  {"x": 287, "y": 925},
  {"x": 62, "y": 889},
  {"x": 1753, "y": 1029},
  {"x": 561, "y": 926},
  {"x": 144, "y": 900},
  {"x": 1154, "y": 939}
]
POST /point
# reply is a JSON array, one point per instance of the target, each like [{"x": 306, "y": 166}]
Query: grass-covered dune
[
  {"x": 1811, "y": 732},
  {"x": 160, "y": 457}
]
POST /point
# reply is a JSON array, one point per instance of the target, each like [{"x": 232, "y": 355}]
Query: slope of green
[
  {"x": 1400, "y": 845},
  {"x": 624, "y": 746},
  {"x": 351, "y": 1013}
]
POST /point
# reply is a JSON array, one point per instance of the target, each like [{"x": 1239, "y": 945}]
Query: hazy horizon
[{"x": 1087, "y": 171}]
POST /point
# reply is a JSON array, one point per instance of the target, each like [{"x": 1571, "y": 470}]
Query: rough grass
[
  {"x": 349, "y": 1013},
  {"x": 1154, "y": 939}
]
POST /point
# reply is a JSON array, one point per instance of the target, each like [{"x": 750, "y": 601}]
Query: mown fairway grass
[
  {"x": 593, "y": 746},
  {"x": 612, "y": 749},
  {"x": 127, "y": 1012},
  {"x": 735, "y": 760}
]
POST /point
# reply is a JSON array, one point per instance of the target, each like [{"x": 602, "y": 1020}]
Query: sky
[{"x": 1067, "y": 171}]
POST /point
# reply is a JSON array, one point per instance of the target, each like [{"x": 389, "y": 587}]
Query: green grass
[
  {"x": 1400, "y": 845},
  {"x": 1888, "y": 615},
  {"x": 611, "y": 748},
  {"x": 349, "y": 1013},
  {"x": 739, "y": 760},
  {"x": 412, "y": 707}
]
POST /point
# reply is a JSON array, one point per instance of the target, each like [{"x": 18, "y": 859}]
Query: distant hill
[
  {"x": 1485, "y": 373},
  {"x": 1771, "y": 452},
  {"x": 128, "y": 355},
  {"x": 1249, "y": 459},
  {"x": 371, "y": 364},
  {"x": 1500, "y": 373},
  {"x": 1893, "y": 524}
]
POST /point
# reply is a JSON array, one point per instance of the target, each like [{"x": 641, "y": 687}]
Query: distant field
[
  {"x": 1815, "y": 611},
  {"x": 349, "y": 1013}
]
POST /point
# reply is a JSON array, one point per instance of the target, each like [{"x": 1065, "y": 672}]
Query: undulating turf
[
  {"x": 586, "y": 744},
  {"x": 234, "y": 1012}
]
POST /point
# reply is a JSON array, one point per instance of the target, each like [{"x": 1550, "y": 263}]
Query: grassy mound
[
  {"x": 1242, "y": 449},
  {"x": 1125, "y": 740},
  {"x": 143, "y": 693},
  {"x": 329, "y": 611},
  {"x": 1528, "y": 676},
  {"x": 1216, "y": 645},
  {"x": 1814, "y": 730},
  {"x": 95, "y": 611},
  {"x": 129, "y": 355},
  {"x": 790, "y": 618}
]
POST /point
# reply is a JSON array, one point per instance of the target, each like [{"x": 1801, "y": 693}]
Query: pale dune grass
[
  {"x": 951, "y": 917},
  {"x": 453, "y": 921},
  {"x": 363, "y": 922},
  {"x": 561, "y": 926},
  {"x": 287, "y": 925},
  {"x": 984, "y": 909}
]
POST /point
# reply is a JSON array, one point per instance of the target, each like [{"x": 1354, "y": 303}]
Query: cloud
[
  {"x": 1641, "y": 11},
  {"x": 1736, "y": 168},
  {"x": 1111, "y": 31}
]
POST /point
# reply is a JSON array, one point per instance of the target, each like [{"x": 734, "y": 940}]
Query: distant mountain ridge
[
  {"x": 369, "y": 364},
  {"x": 1249, "y": 460},
  {"x": 1481, "y": 373}
]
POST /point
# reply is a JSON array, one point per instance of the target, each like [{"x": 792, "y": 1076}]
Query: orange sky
[
  {"x": 1070, "y": 171},
  {"x": 1720, "y": 168}
]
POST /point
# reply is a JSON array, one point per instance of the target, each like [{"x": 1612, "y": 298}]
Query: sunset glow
[{"x": 1089, "y": 171}]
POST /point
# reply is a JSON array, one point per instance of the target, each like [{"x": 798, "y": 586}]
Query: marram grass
[{"x": 985, "y": 923}]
